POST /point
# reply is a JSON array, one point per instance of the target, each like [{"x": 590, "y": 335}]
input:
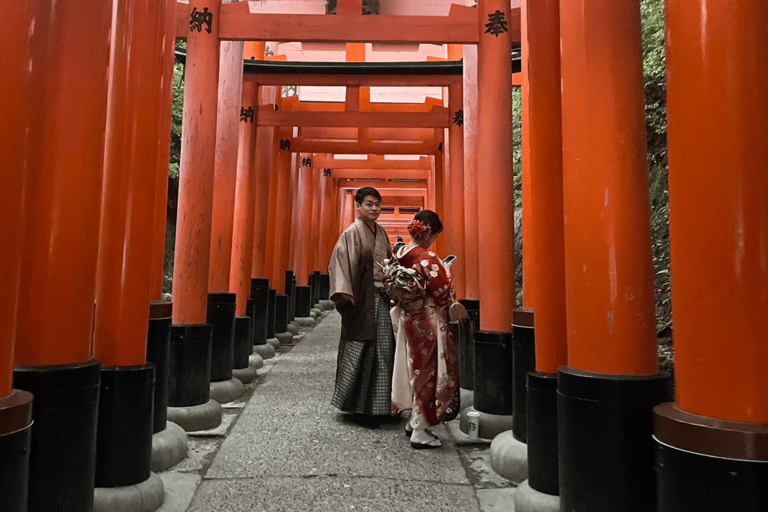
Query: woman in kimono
[{"x": 426, "y": 374}]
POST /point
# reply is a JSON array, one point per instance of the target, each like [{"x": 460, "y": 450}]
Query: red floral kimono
[{"x": 426, "y": 373}]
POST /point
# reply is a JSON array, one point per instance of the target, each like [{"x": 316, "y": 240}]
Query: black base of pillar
[
  {"x": 303, "y": 301},
  {"x": 463, "y": 338},
  {"x": 524, "y": 361},
  {"x": 316, "y": 287},
  {"x": 473, "y": 310},
  {"x": 124, "y": 431},
  {"x": 281, "y": 313},
  {"x": 493, "y": 372},
  {"x": 159, "y": 353},
  {"x": 605, "y": 424},
  {"x": 709, "y": 465},
  {"x": 325, "y": 286},
  {"x": 260, "y": 299},
  {"x": 271, "y": 313},
  {"x": 62, "y": 456},
  {"x": 221, "y": 316},
  {"x": 542, "y": 432},
  {"x": 189, "y": 370},
  {"x": 15, "y": 435},
  {"x": 243, "y": 346}
]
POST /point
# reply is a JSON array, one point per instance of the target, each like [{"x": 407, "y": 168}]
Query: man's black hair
[{"x": 364, "y": 192}]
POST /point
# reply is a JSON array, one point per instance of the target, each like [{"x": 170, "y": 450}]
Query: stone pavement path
[{"x": 282, "y": 447}]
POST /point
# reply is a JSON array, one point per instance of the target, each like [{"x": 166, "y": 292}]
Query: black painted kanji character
[
  {"x": 285, "y": 144},
  {"x": 458, "y": 118},
  {"x": 327, "y": 173},
  {"x": 496, "y": 24},
  {"x": 306, "y": 162},
  {"x": 198, "y": 19},
  {"x": 246, "y": 114},
  {"x": 440, "y": 147}
]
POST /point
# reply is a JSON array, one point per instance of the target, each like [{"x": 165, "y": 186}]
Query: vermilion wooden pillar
[
  {"x": 269, "y": 257},
  {"x": 606, "y": 392},
  {"x": 471, "y": 269},
  {"x": 226, "y": 167},
  {"x": 68, "y": 62},
  {"x": 317, "y": 220},
  {"x": 265, "y": 149},
  {"x": 455, "y": 210},
  {"x": 15, "y": 405},
  {"x": 329, "y": 221},
  {"x": 244, "y": 211},
  {"x": 282, "y": 174},
  {"x": 196, "y": 179},
  {"x": 125, "y": 245},
  {"x": 717, "y": 429},
  {"x": 543, "y": 260},
  {"x": 494, "y": 167},
  {"x": 304, "y": 197},
  {"x": 190, "y": 364}
]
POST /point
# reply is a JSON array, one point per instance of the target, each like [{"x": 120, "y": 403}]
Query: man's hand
[{"x": 342, "y": 301}]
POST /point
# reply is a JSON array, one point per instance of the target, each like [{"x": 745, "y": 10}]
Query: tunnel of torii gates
[{"x": 265, "y": 189}]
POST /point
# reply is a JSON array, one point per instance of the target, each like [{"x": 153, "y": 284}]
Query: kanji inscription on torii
[
  {"x": 496, "y": 24},
  {"x": 458, "y": 118},
  {"x": 246, "y": 114},
  {"x": 306, "y": 162},
  {"x": 327, "y": 172},
  {"x": 285, "y": 144},
  {"x": 197, "y": 19}
]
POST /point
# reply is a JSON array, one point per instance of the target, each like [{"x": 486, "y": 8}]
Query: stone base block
[
  {"x": 313, "y": 314},
  {"x": 146, "y": 496},
  {"x": 274, "y": 342},
  {"x": 293, "y": 327},
  {"x": 285, "y": 338},
  {"x": 226, "y": 391},
  {"x": 509, "y": 457},
  {"x": 304, "y": 321},
  {"x": 491, "y": 425},
  {"x": 265, "y": 351},
  {"x": 327, "y": 305},
  {"x": 245, "y": 375},
  {"x": 466, "y": 397},
  {"x": 528, "y": 499},
  {"x": 169, "y": 447},
  {"x": 196, "y": 417},
  {"x": 255, "y": 361}
]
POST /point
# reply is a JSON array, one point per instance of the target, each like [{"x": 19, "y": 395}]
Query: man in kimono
[{"x": 366, "y": 350}]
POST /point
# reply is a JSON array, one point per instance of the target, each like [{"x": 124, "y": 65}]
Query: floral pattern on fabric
[{"x": 424, "y": 334}]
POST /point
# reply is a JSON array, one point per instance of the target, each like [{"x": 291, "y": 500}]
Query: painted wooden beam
[
  {"x": 302, "y": 145},
  {"x": 437, "y": 118},
  {"x": 373, "y": 162}
]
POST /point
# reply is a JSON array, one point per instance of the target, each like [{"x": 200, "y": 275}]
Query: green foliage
[{"x": 517, "y": 145}]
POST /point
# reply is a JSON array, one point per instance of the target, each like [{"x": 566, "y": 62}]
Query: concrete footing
[
  {"x": 146, "y": 496},
  {"x": 491, "y": 425},
  {"x": 266, "y": 351},
  {"x": 326, "y": 304},
  {"x": 169, "y": 447},
  {"x": 274, "y": 342},
  {"x": 528, "y": 499},
  {"x": 293, "y": 327},
  {"x": 304, "y": 321},
  {"x": 246, "y": 375},
  {"x": 226, "y": 391},
  {"x": 285, "y": 338},
  {"x": 509, "y": 457},
  {"x": 256, "y": 361},
  {"x": 466, "y": 398},
  {"x": 196, "y": 417}
]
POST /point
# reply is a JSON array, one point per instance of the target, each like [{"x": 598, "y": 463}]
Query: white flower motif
[
  {"x": 435, "y": 267},
  {"x": 432, "y": 254},
  {"x": 433, "y": 273},
  {"x": 424, "y": 263}
]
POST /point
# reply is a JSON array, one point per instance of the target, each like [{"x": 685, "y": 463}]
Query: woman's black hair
[
  {"x": 430, "y": 219},
  {"x": 364, "y": 192}
]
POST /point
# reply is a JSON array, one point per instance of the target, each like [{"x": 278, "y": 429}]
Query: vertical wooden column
[
  {"x": 318, "y": 221},
  {"x": 608, "y": 271},
  {"x": 329, "y": 220},
  {"x": 226, "y": 167},
  {"x": 282, "y": 199},
  {"x": 269, "y": 256},
  {"x": 125, "y": 245},
  {"x": 439, "y": 190},
  {"x": 196, "y": 179},
  {"x": 15, "y": 405},
  {"x": 163, "y": 153},
  {"x": 543, "y": 261},
  {"x": 494, "y": 167},
  {"x": 265, "y": 150},
  {"x": 68, "y": 62},
  {"x": 471, "y": 269},
  {"x": 717, "y": 429},
  {"x": 304, "y": 197},
  {"x": 455, "y": 210},
  {"x": 245, "y": 195}
]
